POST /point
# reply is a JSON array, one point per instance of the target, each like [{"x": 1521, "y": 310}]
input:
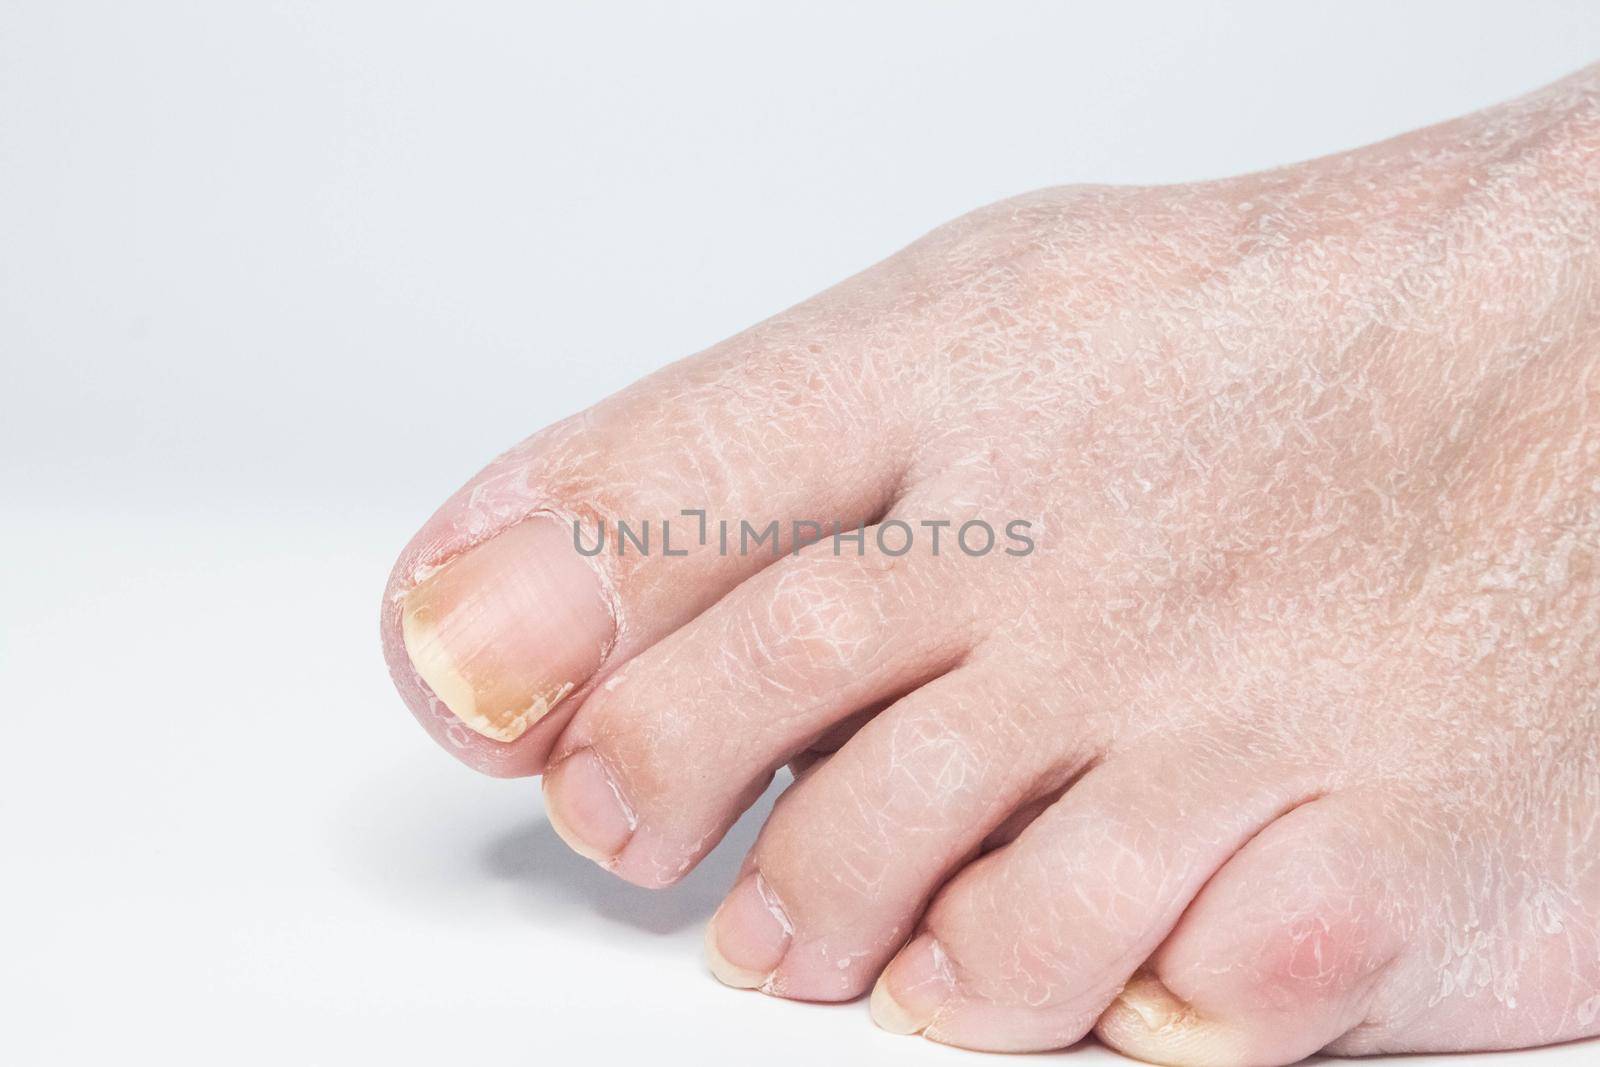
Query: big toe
[{"x": 502, "y": 614}]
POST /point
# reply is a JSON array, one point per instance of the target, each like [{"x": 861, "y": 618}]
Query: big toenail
[
  {"x": 748, "y": 936},
  {"x": 913, "y": 988},
  {"x": 506, "y": 630},
  {"x": 586, "y": 808}
]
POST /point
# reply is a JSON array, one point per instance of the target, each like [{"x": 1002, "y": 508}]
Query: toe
[
  {"x": 496, "y": 624},
  {"x": 851, "y": 854},
  {"x": 689, "y": 734},
  {"x": 1277, "y": 958},
  {"x": 1025, "y": 948}
]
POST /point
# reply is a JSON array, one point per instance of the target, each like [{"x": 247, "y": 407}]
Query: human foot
[{"x": 1284, "y": 734}]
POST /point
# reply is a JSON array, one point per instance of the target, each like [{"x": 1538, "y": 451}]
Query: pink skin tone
[{"x": 1287, "y": 735}]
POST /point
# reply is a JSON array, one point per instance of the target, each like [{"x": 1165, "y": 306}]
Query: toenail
[
  {"x": 748, "y": 936},
  {"x": 1146, "y": 1021},
  {"x": 913, "y": 988},
  {"x": 505, "y": 631},
  {"x": 1156, "y": 1008},
  {"x": 586, "y": 809}
]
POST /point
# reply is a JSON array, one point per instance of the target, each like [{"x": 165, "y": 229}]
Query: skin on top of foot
[{"x": 1284, "y": 735}]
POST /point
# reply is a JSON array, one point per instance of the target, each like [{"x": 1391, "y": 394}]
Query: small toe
[
  {"x": 855, "y": 850},
  {"x": 1025, "y": 949},
  {"x": 1279, "y": 957},
  {"x": 687, "y": 736}
]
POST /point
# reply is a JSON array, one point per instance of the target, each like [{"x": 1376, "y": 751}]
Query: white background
[{"x": 276, "y": 277}]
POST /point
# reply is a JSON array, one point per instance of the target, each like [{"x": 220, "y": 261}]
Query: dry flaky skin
[{"x": 1313, "y": 626}]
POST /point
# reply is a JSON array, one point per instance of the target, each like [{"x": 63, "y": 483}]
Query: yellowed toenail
[
  {"x": 504, "y": 632},
  {"x": 1147, "y": 1022},
  {"x": 435, "y": 666},
  {"x": 1147, "y": 998}
]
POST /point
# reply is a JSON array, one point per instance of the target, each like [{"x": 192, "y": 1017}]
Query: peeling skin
[{"x": 1311, "y": 639}]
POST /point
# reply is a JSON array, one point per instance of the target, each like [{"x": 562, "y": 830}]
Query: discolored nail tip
[
  {"x": 890, "y": 1015},
  {"x": 577, "y": 844},
  {"x": 1147, "y": 1022},
  {"x": 437, "y": 668},
  {"x": 1148, "y": 1000},
  {"x": 726, "y": 971}
]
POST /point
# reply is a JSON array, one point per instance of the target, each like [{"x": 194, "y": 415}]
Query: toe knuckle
[{"x": 811, "y": 629}]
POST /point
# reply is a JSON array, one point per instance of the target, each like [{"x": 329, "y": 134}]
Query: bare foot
[{"x": 1272, "y": 724}]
